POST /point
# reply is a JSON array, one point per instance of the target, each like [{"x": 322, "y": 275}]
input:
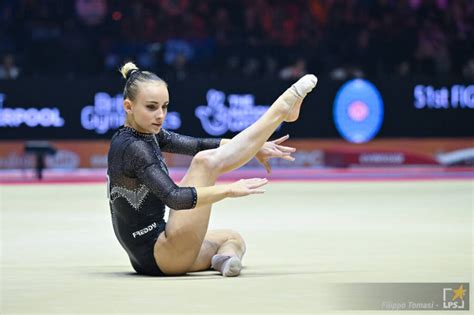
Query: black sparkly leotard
[{"x": 139, "y": 187}]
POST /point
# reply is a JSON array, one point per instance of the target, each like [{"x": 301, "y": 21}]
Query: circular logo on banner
[{"x": 358, "y": 111}]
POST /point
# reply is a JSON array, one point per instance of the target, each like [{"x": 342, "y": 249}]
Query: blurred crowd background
[{"x": 183, "y": 39}]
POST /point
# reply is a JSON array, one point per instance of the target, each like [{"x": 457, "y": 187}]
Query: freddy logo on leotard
[{"x": 144, "y": 231}]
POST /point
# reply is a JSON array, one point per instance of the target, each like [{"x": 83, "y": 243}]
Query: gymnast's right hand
[{"x": 245, "y": 187}]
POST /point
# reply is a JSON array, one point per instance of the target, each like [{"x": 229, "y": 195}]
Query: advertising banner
[
  {"x": 357, "y": 111},
  {"x": 74, "y": 154}
]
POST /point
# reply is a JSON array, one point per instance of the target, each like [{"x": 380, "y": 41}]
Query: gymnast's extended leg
[{"x": 176, "y": 252}]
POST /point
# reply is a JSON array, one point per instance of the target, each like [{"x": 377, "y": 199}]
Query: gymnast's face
[{"x": 148, "y": 111}]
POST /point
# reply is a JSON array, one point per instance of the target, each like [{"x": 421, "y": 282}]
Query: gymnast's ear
[{"x": 127, "y": 105}]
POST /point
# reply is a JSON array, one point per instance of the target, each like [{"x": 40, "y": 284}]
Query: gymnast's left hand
[{"x": 274, "y": 149}]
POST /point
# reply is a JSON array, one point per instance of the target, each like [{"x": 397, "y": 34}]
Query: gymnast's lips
[{"x": 157, "y": 125}]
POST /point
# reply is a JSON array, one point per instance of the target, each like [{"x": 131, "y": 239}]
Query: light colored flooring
[{"x": 59, "y": 253}]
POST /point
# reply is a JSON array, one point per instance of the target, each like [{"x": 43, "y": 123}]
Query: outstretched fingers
[
  {"x": 285, "y": 149},
  {"x": 278, "y": 141},
  {"x": 287, "y": 157},
  {"x": 254, "y": 183},
  {"x": 282, "y": 139},
  {"x": 284, "y": 153},
  {"x": 245, "y": 187}
]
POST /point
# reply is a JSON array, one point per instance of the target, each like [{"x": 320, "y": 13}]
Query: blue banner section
[{"x": 357, "y": 110}]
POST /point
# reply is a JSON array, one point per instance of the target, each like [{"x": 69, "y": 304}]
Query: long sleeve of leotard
[
  {"x": 140, "y": 161},
  {"x": 175, "y": 143}
]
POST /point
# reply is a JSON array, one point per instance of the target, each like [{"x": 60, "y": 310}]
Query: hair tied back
[
  {"x": 128, "y": 69},
  {"x": 131, "y": 72}
]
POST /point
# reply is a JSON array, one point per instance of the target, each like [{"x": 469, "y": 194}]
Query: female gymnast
[{"x": 139, "y": 186}]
